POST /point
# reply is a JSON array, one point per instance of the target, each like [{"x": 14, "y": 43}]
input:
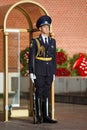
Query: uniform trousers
[{"x": 43, "y": 86}]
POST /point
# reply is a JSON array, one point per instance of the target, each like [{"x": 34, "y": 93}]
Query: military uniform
[{"x": 42, "y": 63}]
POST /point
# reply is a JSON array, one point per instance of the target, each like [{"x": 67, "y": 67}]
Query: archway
[{"x": 30, "y": 10}]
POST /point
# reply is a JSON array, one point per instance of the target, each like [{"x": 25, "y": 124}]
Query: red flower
[
  {"x": 62, "y": 72},
  {"x": 60, "y": 58},
  {"x": 26, "y": 55}
]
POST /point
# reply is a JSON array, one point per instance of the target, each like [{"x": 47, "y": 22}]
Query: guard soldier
[{"x": 42, "y": 67}]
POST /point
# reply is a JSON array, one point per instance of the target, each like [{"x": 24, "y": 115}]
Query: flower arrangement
[
  {"x": 60, "y": 57},
  {"x": 63, "y": 72},
  {"x": 62, "y": 63}
]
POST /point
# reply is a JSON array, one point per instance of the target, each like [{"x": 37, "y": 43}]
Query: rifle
[{"x": 34, "y": 104}]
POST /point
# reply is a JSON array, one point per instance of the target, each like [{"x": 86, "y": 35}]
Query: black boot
[
  {"x": 39, "y": 110},
  {"x": 46, "y": 118}
]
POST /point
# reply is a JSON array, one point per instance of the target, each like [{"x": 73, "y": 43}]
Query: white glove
[
  {"x": 54, "y": 77},
  {"x": 32, "y": 77}
]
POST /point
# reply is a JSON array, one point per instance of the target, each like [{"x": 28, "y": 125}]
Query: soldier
[{"x": 42, "y": 67}]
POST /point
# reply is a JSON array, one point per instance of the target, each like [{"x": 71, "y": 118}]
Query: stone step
[{"x": 19, "y": 112}]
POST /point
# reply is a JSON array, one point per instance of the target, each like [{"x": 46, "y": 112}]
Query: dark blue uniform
[{"x": 43, "y": 69}]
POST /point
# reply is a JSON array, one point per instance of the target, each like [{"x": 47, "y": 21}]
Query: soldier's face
[{"x": 45, "y": 29}]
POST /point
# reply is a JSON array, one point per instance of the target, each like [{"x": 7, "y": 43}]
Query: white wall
[{"x": 70, "y": 84}]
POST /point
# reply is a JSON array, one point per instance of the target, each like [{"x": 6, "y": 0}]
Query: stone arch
[{"x": 22, "y": 6}]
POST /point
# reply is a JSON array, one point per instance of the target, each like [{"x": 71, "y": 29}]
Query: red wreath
[{"x": 81, "y": 65}]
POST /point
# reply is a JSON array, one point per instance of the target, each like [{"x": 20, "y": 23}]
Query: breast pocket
[{"x": 52, "y": 49}]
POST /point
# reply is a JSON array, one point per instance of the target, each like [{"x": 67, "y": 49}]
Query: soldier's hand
[
  {"x": 32, "y": 77},
  {"x": 54, "y": 77}
]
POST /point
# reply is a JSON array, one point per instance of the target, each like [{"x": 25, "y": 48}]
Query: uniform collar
[{"x": 43, "y": 37}]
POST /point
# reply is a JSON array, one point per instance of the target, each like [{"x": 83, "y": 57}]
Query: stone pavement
[{"x": 69, "y": 116}]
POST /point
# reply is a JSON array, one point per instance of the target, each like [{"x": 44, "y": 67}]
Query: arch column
[{"x": 6, "y": 77}]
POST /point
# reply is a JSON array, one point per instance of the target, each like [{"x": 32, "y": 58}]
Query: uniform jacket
[{"x": 40, "y": 67}]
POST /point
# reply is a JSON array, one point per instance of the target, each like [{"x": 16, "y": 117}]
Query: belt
[{"x": 44, "y": 59}]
